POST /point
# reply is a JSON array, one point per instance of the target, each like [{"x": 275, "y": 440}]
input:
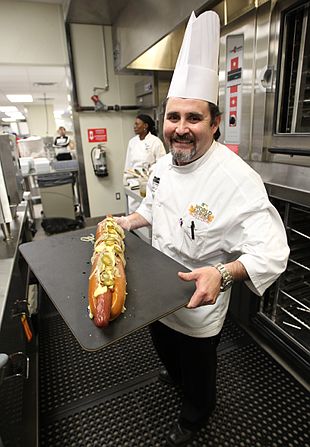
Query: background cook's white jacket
[
  {"x": 242, "y": 225},
  {"x": 142, "y": 153}
]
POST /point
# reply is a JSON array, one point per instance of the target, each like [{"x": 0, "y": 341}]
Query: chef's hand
[
  {"x": 208, "y": 282},
  {"x": 123, "y": 222},
  {"x": 132, "y": 221}
]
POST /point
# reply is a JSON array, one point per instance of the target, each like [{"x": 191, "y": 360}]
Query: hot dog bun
[
  {"x": 119, "y": 293},
  {"x": 107, "y": 281}
]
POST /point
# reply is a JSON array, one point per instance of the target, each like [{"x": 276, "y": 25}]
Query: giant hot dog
[{"x": 107, "y": 281}]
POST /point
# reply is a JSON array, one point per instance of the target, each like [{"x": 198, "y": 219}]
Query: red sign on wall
[{"x": 97, "y": 135}]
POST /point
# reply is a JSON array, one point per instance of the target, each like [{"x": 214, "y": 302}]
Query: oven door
[{"x": 287, "y": 119}]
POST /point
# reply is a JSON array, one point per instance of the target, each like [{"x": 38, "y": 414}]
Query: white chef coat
[
  {"x": 233, "y": 220},
  {"x": 142, "y": 153}
]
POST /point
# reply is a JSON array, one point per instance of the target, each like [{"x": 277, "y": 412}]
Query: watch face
[
  {"x": 227, "y": 279},
  {"x": 226, "y": 286}
]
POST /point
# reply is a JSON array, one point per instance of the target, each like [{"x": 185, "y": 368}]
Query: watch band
[{"x": 227, "y": 279}]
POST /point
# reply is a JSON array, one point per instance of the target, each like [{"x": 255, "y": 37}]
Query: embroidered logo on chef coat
[
  {"x": 155, "y": 183},
  {"x": 201, "y": 212}
]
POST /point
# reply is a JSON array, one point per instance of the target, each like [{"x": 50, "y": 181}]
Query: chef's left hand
[{"x": 208, "y": 282}]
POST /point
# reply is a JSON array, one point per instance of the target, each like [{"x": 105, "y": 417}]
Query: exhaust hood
[{"x": 163, "y": 55}]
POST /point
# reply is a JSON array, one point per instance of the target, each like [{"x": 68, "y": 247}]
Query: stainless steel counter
[
  {"x": 7, "y": 255},
  {"x": 286, "y": 182}
]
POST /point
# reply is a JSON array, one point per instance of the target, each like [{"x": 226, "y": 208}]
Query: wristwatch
[{"x": 227, "y": 279}]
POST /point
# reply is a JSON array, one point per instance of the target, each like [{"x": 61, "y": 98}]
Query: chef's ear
[
  {"x": 216, "y": 123},
  {"x": 215, "y": 127}
]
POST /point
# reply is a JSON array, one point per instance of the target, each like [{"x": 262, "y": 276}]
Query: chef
[
  {"x": 143, "y": 150},
  {"x": 209, "y": 211},
  {"x": 62, "y": 144},
  {"x": 62, "y": 140}
]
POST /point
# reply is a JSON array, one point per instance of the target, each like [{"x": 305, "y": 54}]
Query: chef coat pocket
[{"x": 195, "y": 239}]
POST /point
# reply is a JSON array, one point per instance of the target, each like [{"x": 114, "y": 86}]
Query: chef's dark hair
[
  {"x": 149, "y": 121},
  {"x": 215, "y": 113}
]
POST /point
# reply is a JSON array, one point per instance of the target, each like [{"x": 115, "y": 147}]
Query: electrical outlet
[{"x": 118, "y": 196}]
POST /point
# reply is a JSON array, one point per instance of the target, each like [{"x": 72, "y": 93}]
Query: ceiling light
[
  {"x": 16, "y": 115},
  {"x": 20, "y": 98},
  {"x": 9, "y": 120},
  {"x": 7, "y": 109}
]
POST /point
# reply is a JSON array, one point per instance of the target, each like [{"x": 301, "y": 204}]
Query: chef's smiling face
[{"x": 188, "y": 129}]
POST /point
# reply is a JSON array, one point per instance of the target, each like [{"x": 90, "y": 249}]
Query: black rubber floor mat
[
  {"x": 112, "y": 398},
  {"x": 69, "y": 374},
  {"x": 11, "y": 395}
]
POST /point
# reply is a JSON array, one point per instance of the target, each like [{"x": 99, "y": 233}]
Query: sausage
[
  {"x": 107, "y": 281},
  {"x": 100, "y": 305},
  {"x": 103, "y": 309}
]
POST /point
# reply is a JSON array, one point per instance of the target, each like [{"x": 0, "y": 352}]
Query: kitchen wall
[
  {"x": 93, "y": 61},
  {"x": 32, "y": 34},
  {"x": 41, "y": 120}
]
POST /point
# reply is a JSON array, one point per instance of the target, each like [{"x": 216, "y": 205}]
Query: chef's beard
[{"x": 182, "y": 157}]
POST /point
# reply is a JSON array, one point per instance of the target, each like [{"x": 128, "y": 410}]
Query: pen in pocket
[{"x": 193, "y": 229}]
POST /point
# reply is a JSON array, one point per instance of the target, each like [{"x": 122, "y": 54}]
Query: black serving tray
[{"x": 61, "y": 263}]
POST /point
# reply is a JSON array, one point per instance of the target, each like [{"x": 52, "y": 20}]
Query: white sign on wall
[{"x": 233, "y": 104}]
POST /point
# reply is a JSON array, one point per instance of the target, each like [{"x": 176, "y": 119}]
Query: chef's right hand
[
  {"x": 208, "y": 282},
  {"x": 123, "y": 222},
  {"x": 132, "y": 221}
]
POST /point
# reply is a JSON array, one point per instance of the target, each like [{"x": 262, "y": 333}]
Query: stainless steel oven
[
  {"x": 267, "y": 110},
  {"x": 287, "y": 128},
  {"x": 265, "y": 100}
]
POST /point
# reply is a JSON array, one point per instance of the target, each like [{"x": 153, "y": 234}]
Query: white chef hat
[{"x": 196, "y": 72}]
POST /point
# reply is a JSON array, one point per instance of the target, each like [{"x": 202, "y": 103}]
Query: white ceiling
[
  {"x": 17, "y": 79},
  {"x": 22, "y": 79}
]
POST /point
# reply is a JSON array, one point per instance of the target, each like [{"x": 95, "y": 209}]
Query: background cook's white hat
[{"x": 196, "y": 72}]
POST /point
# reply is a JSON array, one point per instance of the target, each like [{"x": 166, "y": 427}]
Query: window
[{"x": 294, "y": 84}]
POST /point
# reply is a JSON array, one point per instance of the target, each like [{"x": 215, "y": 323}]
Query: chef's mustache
[{"x": 182, "y": 138}]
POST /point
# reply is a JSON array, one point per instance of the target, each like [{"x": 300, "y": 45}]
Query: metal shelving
[{"x": 287, "y": 303}]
